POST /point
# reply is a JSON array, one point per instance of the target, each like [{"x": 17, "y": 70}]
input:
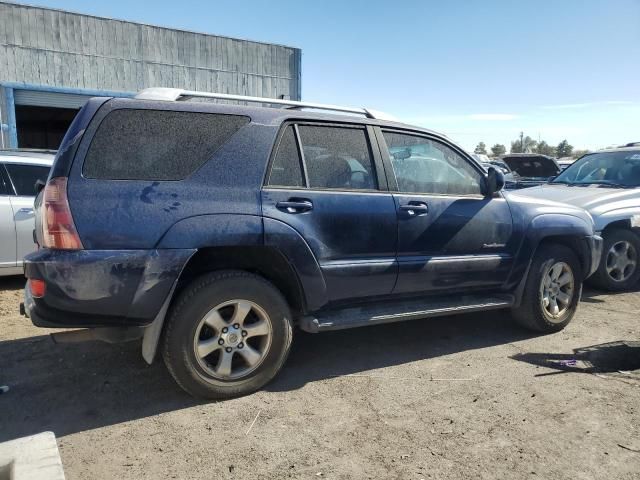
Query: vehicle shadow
[
  {"x": 590, "y": 294},
  {"x": 68, "y": 388},
  {"x": 612, "y": 357},
  {"x": 331, "y": 354},
  {"x": 14, "y": 282}
]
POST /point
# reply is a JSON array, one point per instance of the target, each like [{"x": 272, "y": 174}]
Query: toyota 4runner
[{"x": 211, "y": 230}]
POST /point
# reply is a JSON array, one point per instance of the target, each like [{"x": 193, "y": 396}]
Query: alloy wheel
[
  {"x": 233, "y": 339},
  {"x": 622, "y": 260},
  {"x": 557, "y": 291}
]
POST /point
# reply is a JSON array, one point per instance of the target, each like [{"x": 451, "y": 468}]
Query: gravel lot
[{"x": 460, "y": 397}]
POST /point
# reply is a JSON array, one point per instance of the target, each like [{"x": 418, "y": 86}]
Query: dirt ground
[{"x": 461, "y": 397}]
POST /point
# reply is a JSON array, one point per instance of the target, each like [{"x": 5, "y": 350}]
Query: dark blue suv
[{"x": 211, "y": 230}]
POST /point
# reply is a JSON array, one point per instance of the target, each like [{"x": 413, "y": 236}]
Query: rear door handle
[
  {"x": 295, "y": 205},
  {"x": 414, "y": 209},
  {"x": 26, "y": 211}
]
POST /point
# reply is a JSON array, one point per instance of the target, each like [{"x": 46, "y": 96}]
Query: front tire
[
  {"x": 618, "y": 269},
  {"x": 552, "y": 290},
  {"x": 227, "y": 335}
]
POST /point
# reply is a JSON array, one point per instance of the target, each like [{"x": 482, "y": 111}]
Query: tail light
[
  {"x": 58, "y": 229},
  {"x": 37, "y": 287}
]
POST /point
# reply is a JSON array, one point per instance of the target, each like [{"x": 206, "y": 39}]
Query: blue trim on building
[
  {"x": 11, "y": 117},
  {"x": 9, "y": 88}
]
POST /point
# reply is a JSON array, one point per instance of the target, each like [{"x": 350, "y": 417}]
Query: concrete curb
[{"x": 31, "y": 458}]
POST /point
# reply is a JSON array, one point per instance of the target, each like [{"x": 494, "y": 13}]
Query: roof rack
[{"x": 176, "y": 94}]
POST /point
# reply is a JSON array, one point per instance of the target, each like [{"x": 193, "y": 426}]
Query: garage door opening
[{"x": 42, "y": 127}]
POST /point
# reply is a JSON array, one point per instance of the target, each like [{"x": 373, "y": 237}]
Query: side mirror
[{"x": 495, "y": 181}]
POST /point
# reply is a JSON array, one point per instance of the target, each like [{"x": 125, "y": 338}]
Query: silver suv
[
  {"x": 19, "y": 172},
  {"x": 606, "y": 183}
]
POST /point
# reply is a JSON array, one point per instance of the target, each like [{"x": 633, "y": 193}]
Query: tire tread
[
  {"x": 175, "y": 313},
  {"x": 529, "y": 314}
]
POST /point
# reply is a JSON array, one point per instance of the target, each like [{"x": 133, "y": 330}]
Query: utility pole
[{"x": 522, "y": 142}]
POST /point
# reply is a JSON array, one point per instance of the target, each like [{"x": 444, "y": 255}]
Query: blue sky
[{"x": 475, "y": 70}]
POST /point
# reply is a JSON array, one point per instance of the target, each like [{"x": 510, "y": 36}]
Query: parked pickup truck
[{"x": 211, "y": 230}]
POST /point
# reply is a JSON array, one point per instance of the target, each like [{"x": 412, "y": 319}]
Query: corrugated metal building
[{"x": 51, "y": 61}]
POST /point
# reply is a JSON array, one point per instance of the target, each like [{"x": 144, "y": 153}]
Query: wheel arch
[
  {"x": 573, "y": 242},
  {"x": 624, "y": 224},
  {"x": 547, "y": 229},
  {"x": 576, "y": 244},
  {"x": 267, "y": 262}
]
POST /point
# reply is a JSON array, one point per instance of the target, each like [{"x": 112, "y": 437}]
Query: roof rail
[{"x": 176, "y": 94}]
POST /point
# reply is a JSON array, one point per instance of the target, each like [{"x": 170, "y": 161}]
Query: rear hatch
[{"x": 64, "y": 157}]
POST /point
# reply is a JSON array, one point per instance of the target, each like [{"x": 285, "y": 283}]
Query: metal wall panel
[{"x": 50, "y": 47}]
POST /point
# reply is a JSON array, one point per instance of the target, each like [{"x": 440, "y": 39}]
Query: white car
[
  {"x": 606, "y": 184},
  {"x": 19, "y": 172}
]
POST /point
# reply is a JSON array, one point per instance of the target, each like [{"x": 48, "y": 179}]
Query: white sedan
[{"x": 19, "y": 172}]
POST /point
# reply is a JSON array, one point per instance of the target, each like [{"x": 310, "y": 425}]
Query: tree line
[{"x": 525, "y": 144}]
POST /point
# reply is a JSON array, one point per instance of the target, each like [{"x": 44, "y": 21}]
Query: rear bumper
[
  {"x": 594, "y": 246},
  {"x": 101, "y": 288}
]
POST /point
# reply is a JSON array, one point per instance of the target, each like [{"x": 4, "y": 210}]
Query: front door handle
[
  {"x": 295, "y": 205},
  {"x": 413, "y": 209},
  {"x": 26, "y": 211}
]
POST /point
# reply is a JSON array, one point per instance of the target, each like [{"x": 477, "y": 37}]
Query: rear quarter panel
[{"x": 136, "y": 214}]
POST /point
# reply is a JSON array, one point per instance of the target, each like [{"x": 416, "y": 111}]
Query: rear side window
[
  {"x": 24, "y": 177},
  {"x": 286, "y": 170},
  {"x": 337, "y": 157},
  {"x": 156, "y": 144}
]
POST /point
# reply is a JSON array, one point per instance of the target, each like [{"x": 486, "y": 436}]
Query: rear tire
[
  {"x": 552, "y": 290},
  {"x": 228, "y": 334},
  {"x": 619, "y": 266}
]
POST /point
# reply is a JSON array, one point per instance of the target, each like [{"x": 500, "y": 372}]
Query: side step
[{"x": 399, "y": 310}]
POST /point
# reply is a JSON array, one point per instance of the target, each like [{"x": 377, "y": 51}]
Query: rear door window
[
  {"x": 337, "y": 157},
  {"x": 156, "y": 144},
  {"x": 24, "y": 177}
]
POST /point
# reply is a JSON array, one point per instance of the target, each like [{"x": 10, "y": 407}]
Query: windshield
[
  {"x": 606, "y": 168},
  {"x": 532, "y": 166}
]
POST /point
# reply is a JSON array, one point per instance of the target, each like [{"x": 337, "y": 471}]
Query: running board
[{"x": 399, "y": 310}]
